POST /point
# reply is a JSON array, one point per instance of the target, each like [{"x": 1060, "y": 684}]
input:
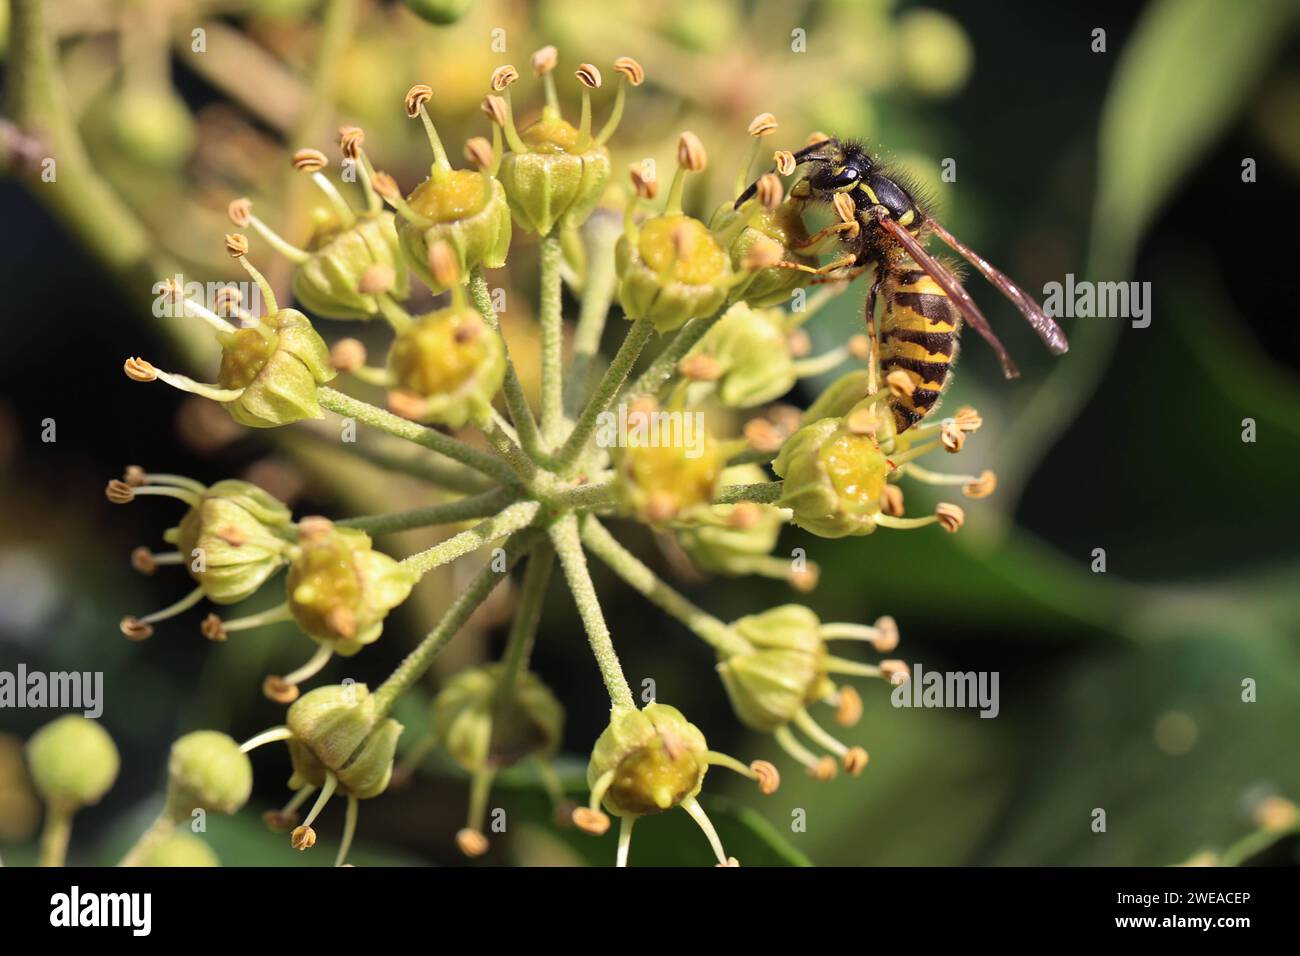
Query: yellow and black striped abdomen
[{"x": 918, "y": 335}]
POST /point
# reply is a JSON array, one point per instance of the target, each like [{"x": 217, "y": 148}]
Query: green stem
[
  {"x": 564, "y": 535},
  {"x": 763, "y": 492},
  {"x": 552, "y": 338},
  {"x": 414, "y": 666},
  {"x": 665, "y": 364},
  {"x": 521, "y": 416},
  {"x": 596, "y": 494},
  {"x": 628, "y": 567},
  {"x": 499, "y": 437},
  {"x": 598, "y": 288},
  {"x": 512, "y": 519},
  {"x": 386, "y": 421},
  {"x": 528, "y": 615},
  {"x": 55, "y": 835},
  {"x": 448, "y": 512},
  {"x": 606, "y": 392},
  {"x": 401, "y": 457},
  {"x": 158, "y": 831}
]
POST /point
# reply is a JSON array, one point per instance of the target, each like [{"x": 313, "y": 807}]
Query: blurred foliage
[{"x": 1119, "y": 691}]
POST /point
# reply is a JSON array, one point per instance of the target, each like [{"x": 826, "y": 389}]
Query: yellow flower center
[
  {"x": 458, "y": 195},
  {"x": 683, "y": 249},
  {"x": 857, "y": 469},
  {"x": 440, "y": 352}
]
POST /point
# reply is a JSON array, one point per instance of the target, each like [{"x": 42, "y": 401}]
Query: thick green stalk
[
  {"x": 628, "y": 567},
  {"x": 552, "y": 339},
  {"x": 512, "y": 519},
  {"x": 386, "y": 421},
  {"x": 55, "y": 835},
  {"x": 521, "y": 416},
  {"x": 564, "y": 535},
  {"x": 665, "y": 363},
  {"x": 158, "y": 831},
  {"x": 606, "y": 392},
  {"x": 528, "y": 615},
  {"x": 421, "y": 659},
  {"x": 447, "y": 512}
]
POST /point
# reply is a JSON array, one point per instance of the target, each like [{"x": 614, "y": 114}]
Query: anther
[{"x": 309, "y": 160}]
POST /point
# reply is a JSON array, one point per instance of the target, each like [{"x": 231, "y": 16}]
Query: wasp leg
[
  {"x": 847, "y": 276},
  {"x": 873, "y": 360},
  {"x": 830, "y": 267},
  {"x": 817, "y": 238}
]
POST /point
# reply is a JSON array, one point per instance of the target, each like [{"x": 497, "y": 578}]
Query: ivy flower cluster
[{"x": 706, "y": 296}]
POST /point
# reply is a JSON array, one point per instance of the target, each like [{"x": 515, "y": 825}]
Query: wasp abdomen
[{"x": 918, "y": 335}]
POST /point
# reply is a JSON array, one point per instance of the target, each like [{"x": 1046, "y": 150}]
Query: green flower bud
[
  {"x": 465, "y": 208},
  {"x": 752, "y": 351},
  {"x": 335, "y": 729},
  {"x": 451, "y": 365},
  {"x": 784, "y": 672},
  {"x": 773, "y": 233},
  {"x": 180, "y": 849},
  {"x": 152, "y": 125},
  {"x": 242, "y": 534},
  {"x": 833, "y": 478},
  {"x": 329, "y": 282},
  {"x": 73, "y": 762},
  {"x": 660, "y": 481},
  {"x": 439, "y": 12},
  {"x": 657, "y": 759},
  {"x": 340, "y": 589},
  {"x": 558, "y": 179},
  {"x": 733, "y": 539},
  {"x": 671, "y": 270},
  {"x": 478, "y": 728},
  {"x": 840, "y": 396},
  {"x": 278, "y": 365},
  {"x": 207, "y": 771}
]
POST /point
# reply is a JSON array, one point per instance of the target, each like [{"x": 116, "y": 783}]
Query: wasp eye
[{"x": 832, "y": 179}]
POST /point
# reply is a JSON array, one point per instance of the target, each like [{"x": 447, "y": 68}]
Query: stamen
[
  {"x": 590, "y": 79},
  {"x": 630, "y": 73},
  {"x": 237, "y": 246},
  {"x": 803, "y": 720},
  {"x": 763, "y": 124},
  {"x": 281, "y": 821},
  {"x": 787, "y": 742},
  {"x": 139, "y": 628},
  {"x": 147, "y": 562},
  {"x": 848, "y": 706},
  {"x": 543, "y": 63},
  {"x": 842, "y": 665},
  {"x": 625, "y": 825},
  {"x": 304, "y": 837},
  {"x": 416, "y": 97},
  {"x": 349, "y": 830},
  {"x": 692, "y": 806},
  {"x": 591, "y": 818},
  {"x": 470, "y": 839},
  {"x": 760, "y": 771},
  {"x": 241, "y": 214},
  {"x": 139, "y": 370},
  {"x": 313, "y": 161},
  {"x": 904, "y": 524},
  {"x": 215, "y": 629},
  {"x": 274, "y": 735},
  {"x": 387, "y": 187},
  {"x": 284, "y": 690}
]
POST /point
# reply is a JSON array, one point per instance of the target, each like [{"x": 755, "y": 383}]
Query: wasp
[{"x": 884, "y": 226}]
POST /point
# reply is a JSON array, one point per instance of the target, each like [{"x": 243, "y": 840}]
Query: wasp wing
[
  {"x": 948, "y": 282},
  {"x": 1039, "y": 321}
]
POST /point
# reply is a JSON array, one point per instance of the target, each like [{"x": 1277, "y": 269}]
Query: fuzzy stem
[
  {"x": 595, "y": 494},
  {"x": 628, "y": 567},
  {"x": 564, "y": 535},
  {"x": 521, "y": 415},
  {"x": 663, "y": 367},
  {"x": 414, "y": 666},
  {"x": 512, "y": 519},
  {"x": 552, "y": 338},
  {"x": 763, "y": 492},
  {"x": 158, "y": 831},
  {"x": 598, "y": 288},
  {"x": 386, "y": 421},
  {"x": 606, "y": 392},
  {"x": 528, "y": 614},
  {"x": 447, "y": 512}
]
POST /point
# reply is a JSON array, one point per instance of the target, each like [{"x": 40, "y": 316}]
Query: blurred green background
[{"x": 1120, "y": 691}]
